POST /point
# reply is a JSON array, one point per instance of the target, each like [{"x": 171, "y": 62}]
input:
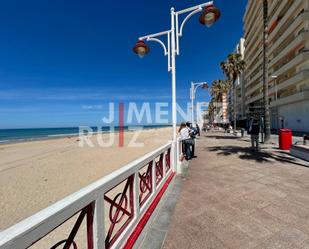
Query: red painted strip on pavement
[
  {"x": 121, "y": 124},
  {"x": 139, "y": 228}
]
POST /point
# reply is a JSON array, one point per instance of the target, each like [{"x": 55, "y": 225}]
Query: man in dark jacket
[
  {"x": 254, "y": 130},
  {"x": 192, "y": 133},
  {"x": 198, "y": 130}
]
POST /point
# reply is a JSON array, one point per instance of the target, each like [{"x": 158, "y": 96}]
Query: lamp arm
[
  {"x": 155, "y": 35},
  {"x": 192, "y": 11},
  {"x": 167, "y": 50},
  {"x": 199, "y": 9},
  {"x": 161, "y": 43},
  {"x": 197, "y": 85},
  {"x": 195, "y": 7}
]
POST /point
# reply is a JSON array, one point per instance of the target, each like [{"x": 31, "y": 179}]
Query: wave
[{"x": 64, "y": 135}]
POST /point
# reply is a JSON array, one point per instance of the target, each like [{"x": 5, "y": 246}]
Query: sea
[{"x": 33, "y": 134}]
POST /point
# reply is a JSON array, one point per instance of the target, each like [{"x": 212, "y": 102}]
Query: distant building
[
  {"x": 288, "y": 54},
  {"x": 240, "y": 89}
]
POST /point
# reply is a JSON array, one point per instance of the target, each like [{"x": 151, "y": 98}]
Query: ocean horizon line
[
  {"x": 74, "y": 127},
  {"x": 9, "y": 136}
]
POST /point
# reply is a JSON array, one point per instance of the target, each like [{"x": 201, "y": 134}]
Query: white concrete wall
[{"x": 296, "y": 116}]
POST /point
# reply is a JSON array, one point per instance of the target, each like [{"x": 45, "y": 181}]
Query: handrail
[{"x": 32, "y": 229}]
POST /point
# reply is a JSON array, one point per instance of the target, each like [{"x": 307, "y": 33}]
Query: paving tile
[
  {"x": 257, "y": 174},
  {"x": 300, "y": 197},
  {"x": 288, "y": 218},
  {"x": 154, "y": 232},
  {"x": 162, "y": 221},
  {"x": 154, "y": 238},
  {"x": 206, "y": 240},
  {"x": 303, "y": 245},
  {"x": 217, "y": 215},
  {"x": 185, "y": 230},
  {"x": 234, "y": 237},
  {"x": 296, "y": 208},
  {"x": 266, "y": 181},
  {"x": 268, "y": 221},
  {"x": 252, "y": 228},
  {"x": 288, "y": 238},
  {"x": 249, "y": 204}
]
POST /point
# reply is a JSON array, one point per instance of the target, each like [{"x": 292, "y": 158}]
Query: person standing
[
  {"x": 262, "y": 129},
  {"x": 192, "y": 134},
  {"x": 254, "y": 130},
  {"x": 198, "y": 130},
  {"x": 186, "y": 140}
]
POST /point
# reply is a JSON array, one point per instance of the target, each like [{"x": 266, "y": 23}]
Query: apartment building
[
  {"x": 288, "y": 67},
  {"x": 240, "y": 89}
]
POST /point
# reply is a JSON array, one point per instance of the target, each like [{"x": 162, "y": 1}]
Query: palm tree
[
  {"x": 211, "y": 109},
  {"x": 265, "y": 73},
  {"x": 215, "y": 94},
  {"x": 219, "y": 90},
  {"x": 233, "y": 68}
]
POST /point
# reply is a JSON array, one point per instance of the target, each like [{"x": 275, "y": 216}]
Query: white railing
[
  {"x": 114, "y": 208},
  {"x": 179, "y": 154}
]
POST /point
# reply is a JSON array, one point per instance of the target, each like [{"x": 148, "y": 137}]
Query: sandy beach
[{"x": 33, "y": 175}]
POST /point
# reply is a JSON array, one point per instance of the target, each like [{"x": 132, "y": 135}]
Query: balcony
[
  {"x": 297, "y": 22},
  {"x": 256, "y": 60},
  {"x": 254, "y": 99},
  {"x": 301, "y": 76},
  {"x": 291, "y": 11},
  {"x": 256, "y": 77},
  {"x": 250, "y": 16},
  {"x": 297, "y": 97},
  {"x": 254, "y": 88},
  {"x": 253, "y": 51},
  {"x": 256, "y": 36},
  {"x": 255, "y": 66},
  {"x": 293, "y": 63},
  {"x": 301, "y": 38},
  {"x": 274, "y": 7}
]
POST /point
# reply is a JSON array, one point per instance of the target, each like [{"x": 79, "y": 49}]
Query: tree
[
  {"x": 211, "y": 109},
  {"x": 233, "y": 68},
  {"x": 265, "y": 73},
  {"x": 219, "y": 90}
]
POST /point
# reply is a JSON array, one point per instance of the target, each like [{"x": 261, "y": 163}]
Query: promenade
[{"x": 238, "y": 199}]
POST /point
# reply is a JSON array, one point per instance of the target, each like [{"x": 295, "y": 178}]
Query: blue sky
[{"x": 61, "y": 62}]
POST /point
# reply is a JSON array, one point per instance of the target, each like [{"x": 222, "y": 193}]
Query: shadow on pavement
[{"x": 260, "y": 156}]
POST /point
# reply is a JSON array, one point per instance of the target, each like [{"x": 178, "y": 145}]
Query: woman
[{"x": 185, "y": 138}]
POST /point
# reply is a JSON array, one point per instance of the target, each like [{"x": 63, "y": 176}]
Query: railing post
[
  {"x": 178, "y": 162},
  {"x": 154, "y": 175},
  {"x": 136, "y": 195},
  {"x": 98, "y": 224},
  {"x": 174, "y": 160},
  {"x": 164, "y": 164}
]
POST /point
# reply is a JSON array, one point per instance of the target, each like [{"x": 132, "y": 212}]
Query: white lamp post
[
  {"x": 210, "y": 14},
  {"x": 193, "y": 89}
]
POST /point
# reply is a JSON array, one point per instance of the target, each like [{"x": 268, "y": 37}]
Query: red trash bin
[{"x": 285, "y": 139}]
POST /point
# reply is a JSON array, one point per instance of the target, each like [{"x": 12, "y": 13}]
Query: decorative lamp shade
[
  {"x": 210, "y": 15},
  {"x": 141, "y": 49},
  {"x": 205, "y": 86}
]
